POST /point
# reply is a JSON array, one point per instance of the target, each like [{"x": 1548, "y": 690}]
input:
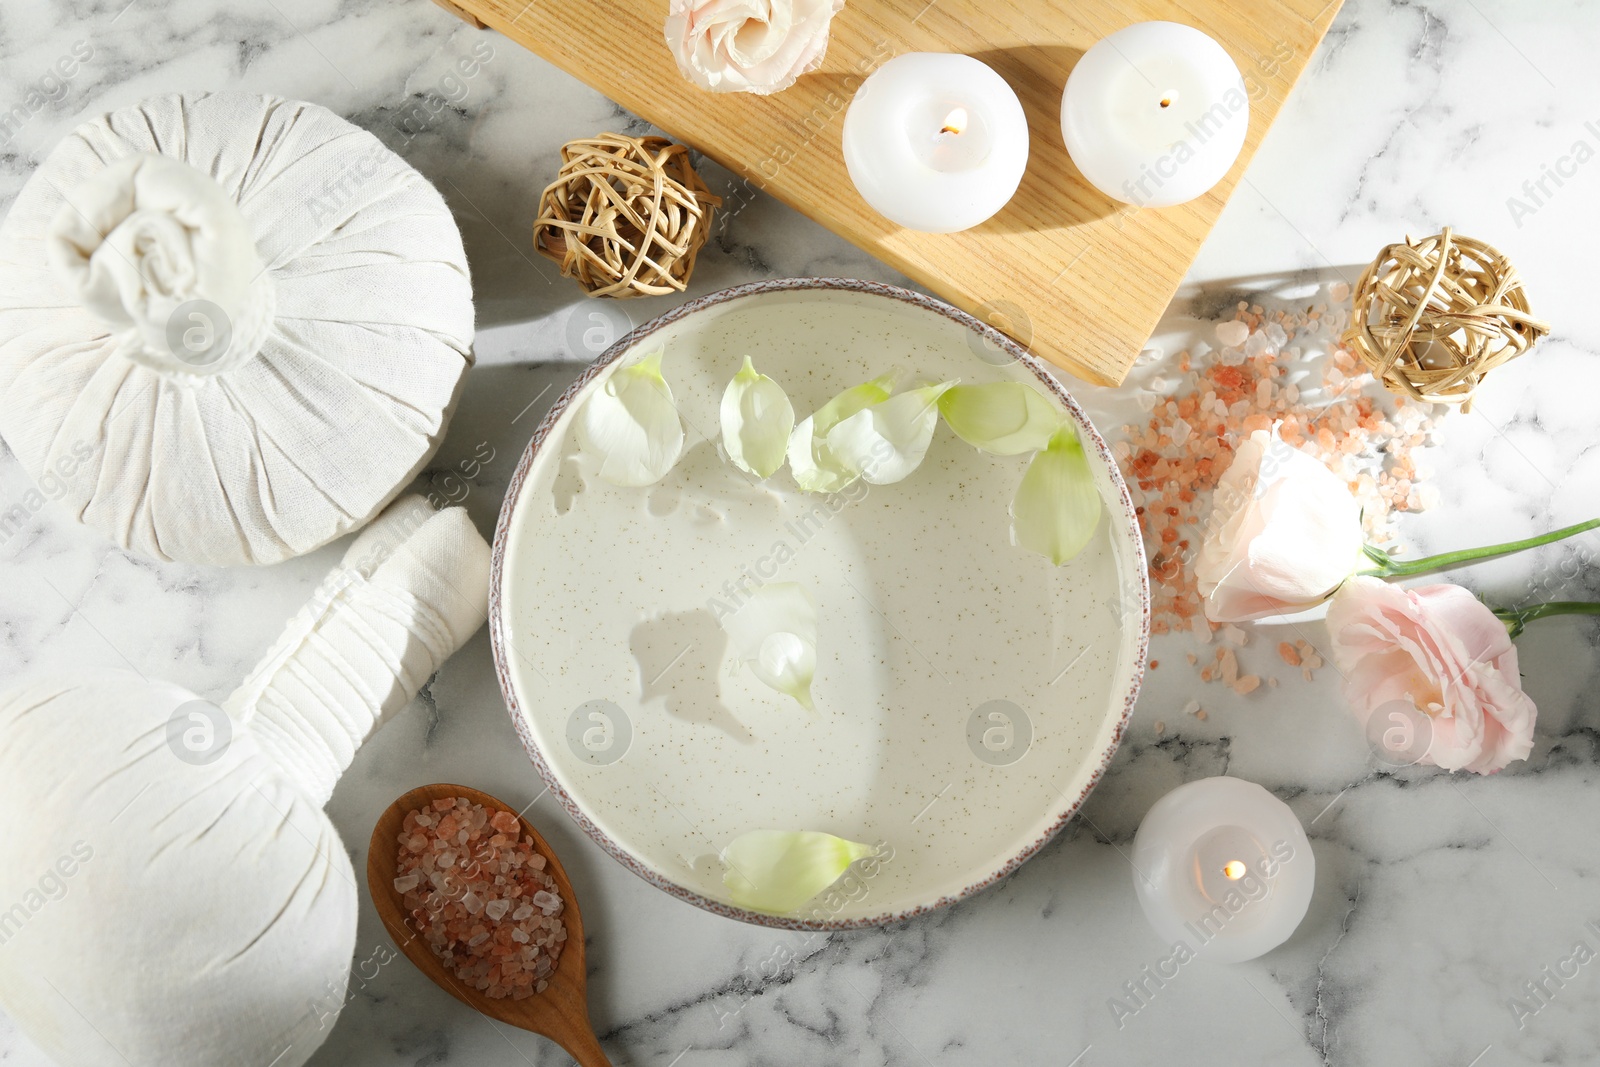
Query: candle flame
[
  {"x": 1233, "y": 870},
  {"x": 955, "y": 122}
]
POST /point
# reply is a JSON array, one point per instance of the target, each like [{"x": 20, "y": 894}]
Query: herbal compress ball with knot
[
  {"x": 1431, "y": 318},
  {"x": 626, "y": 216},
  {"x": 232, "y": 327}
]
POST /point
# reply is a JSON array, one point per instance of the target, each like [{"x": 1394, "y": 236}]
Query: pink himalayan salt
[
  {"x": 1232, "y": 333},
  {"x": 1173, "y": 462},
  {"x": 459, "y": 907}
]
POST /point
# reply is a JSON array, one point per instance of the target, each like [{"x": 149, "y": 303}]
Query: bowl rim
[{"x": 499, "y": 640}]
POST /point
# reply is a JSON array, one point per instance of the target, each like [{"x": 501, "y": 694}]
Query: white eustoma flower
[
  {"x": 888, "y": 440},
  {"x": 631, "y": 425},
  {"x": 1284, "y": 534},
  {"x": 774, "y": 634},
  {"x": 816, "y": 469},
  {"x": 1057, "y": 506},
  {"x": 757, "y": 419},
  {"x": 1005, "y": 418},
  {"x": 776, "y": 871},
  {"x": 748, "y": 46}
]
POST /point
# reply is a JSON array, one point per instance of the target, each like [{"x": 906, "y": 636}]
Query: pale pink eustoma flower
[
  {"x": 1440, "y": 649},
  {"x": 748, "y": 46}
]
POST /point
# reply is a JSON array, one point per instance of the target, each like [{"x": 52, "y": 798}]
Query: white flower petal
[
  {"x": 887, "y": 441},
  {"x": 774, "y": 634},
  {"x": 816, "y": 469},
  {"x": 757, "y": 420},
  {"x": 776, "y": 871},
  {"x": 1005, "y": 418},
  {"x": 1283, "y": 534},
  {"x": 1057, "y": 507},
  {"x": 631, "y": 425}
]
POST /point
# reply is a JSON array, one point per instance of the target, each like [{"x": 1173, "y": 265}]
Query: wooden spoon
[{"x": 561, "y": 1012}]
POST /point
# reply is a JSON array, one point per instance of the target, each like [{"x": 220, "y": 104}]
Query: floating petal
[
  {"x": 774, "y": 634},
  {"x": 776, "y": 871},
  {"x": 757, "y": 420},
  {"x": 631, "y": 425},
  {"x": 887, "y": 441},
  {"x": 816, "y": 469},
  {"x": 1005, "y": 418},
  {"x": 1057, "y": 506}
]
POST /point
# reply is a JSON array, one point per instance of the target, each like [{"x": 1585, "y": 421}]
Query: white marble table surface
[{"x": 1436, "y": 897}]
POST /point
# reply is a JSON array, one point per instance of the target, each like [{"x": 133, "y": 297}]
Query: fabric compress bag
[
  {"x": 252, "y": 318},
  {"x": 171, "y": 893}
]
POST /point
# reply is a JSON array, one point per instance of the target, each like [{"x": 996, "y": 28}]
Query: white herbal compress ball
[
  {"x": 250, "y": 316},
  {"x": 175, "y": 895}
]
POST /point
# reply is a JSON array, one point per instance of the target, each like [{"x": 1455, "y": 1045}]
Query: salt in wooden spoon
[{"x": 561, "y": 1012}]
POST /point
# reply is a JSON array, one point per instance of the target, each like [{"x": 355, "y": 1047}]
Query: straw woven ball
[
  {"x": 1431, "y": 318},
  {"x": 626, "y": 216}
]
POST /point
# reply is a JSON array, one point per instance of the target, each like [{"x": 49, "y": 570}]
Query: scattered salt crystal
[
  {"x": 496, "y": 909},
  {"x": 1230, "y": 666},
  {"x": 1232, "y": 333},
  {"x": 406, "y": 883},
  {"x": 1258, "y": 345},
  {"x": 1201, "y": 715},
  {"x": 1191, "y": 708},
  {"x": 1161, "y": 727},
  {"x": 1339, "y": 292},
  {"x": 1234, "y": 635},
  {"x": 546, "y": 901},
  {"x": 472, "y": 903},
  {"x": 1276, "y": 335}
]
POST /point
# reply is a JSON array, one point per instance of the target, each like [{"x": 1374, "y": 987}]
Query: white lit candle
[
  {"x": 1224, "y": 867},
  {"x": 1155, "y": 114},
  {"x": 935, "y": 142}
]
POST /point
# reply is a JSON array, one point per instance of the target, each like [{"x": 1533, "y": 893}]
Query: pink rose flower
[
  {"x": 1440, "y": 649},
  {"x": 749, "y": 46},
  {"x": 1284, "y": 532}
]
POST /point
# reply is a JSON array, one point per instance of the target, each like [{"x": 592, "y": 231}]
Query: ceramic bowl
[{"x": 968, "y": 695}]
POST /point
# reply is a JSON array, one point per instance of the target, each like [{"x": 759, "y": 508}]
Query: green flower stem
[
  {"x": 1393, "y": 568},
  {"x": 1517, "y": 619}
]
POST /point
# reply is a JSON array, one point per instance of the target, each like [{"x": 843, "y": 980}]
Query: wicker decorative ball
[
  {"x": 1430, "y": 318},
  {"x": 626, "y": 216}
]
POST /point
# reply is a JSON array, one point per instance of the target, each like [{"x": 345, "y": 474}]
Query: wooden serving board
[{"x": 1063, "y": 268}]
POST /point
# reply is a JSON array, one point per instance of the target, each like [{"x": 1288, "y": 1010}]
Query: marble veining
[{"x": 1437, "y": 898}]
